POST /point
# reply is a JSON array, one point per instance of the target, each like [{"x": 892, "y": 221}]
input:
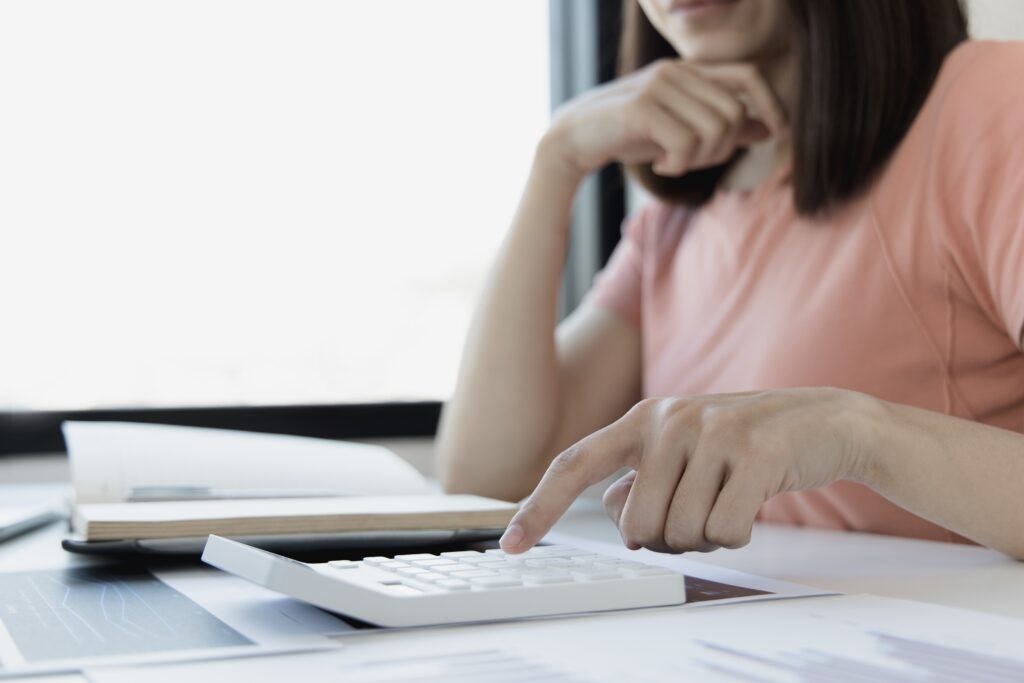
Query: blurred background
[{"x": 259, "y": 213}]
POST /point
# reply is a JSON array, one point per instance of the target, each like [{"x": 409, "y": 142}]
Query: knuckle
[
  {"x": 677, "y": 427},
  {"x": 639, "y": 531},
  {"x": 719, "y": 421},
  {"x": 569, "y": 462},
  {"x": 681, "y": 537},
  {"x": 645, "y": 407},
  {"x": 734, "y": 111},
  {"x": 725, "y": 534},
  {"x": 681, "y": 415}
]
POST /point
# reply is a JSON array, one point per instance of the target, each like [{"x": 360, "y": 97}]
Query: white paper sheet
[
  {"x": 475, "y": 666},
  {"x": 453, "y": 504},
  {"x": 836, "y": 639},
  {"x": 256, "y": 612},
  {"x": 773, "y": 589},
  {"x": 111, "y": 459}
]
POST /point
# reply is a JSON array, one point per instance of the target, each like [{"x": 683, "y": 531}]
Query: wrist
[
  {"x": 872, "y": 428},
  {"x": 554, "y": 156}
]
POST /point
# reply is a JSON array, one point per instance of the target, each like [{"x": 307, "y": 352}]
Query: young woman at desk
[{"x": 818, "y": 319}]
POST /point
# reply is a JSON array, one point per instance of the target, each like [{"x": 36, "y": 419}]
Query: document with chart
[
  {"x": 840, "y": 639},
  {"x": 65, "y": 618}
]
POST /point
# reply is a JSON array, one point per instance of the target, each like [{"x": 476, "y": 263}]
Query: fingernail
[{"x": 512, "y": 537}]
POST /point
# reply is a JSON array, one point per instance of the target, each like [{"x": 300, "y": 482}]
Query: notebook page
[{"x": 110, "y": 460}]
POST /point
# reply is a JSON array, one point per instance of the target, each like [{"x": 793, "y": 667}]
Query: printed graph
[{"x": 102, "y": 611}]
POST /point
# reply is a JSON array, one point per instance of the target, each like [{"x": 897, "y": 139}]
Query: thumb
[
  {"x": 616, "y": 494},
  {"x": 615, "y": 500}
]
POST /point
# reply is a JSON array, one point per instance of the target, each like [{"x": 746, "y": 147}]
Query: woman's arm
[
  {"x": 703, "y": 467},
  {"x": 521, "y": 395},
  {"x": 963, "y": 475}
]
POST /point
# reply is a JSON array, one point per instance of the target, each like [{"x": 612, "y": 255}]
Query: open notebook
[{"x": 163, "y": 489}]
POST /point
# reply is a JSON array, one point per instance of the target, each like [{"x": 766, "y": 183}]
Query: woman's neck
[{"x": 760, "y": 161}]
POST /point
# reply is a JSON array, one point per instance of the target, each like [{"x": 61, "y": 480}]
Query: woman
[{"x": 817, "y": 321}]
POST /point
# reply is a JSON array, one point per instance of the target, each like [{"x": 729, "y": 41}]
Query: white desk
[{"x": 939, "y": 573}]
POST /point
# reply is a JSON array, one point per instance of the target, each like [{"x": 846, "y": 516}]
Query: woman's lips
[{"x": 699, "y": 6}]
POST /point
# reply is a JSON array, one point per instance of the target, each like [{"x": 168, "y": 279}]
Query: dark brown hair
[{"x": 865, "y": 69}]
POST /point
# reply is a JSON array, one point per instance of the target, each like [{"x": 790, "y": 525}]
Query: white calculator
[{"x": 456, "y": 587}]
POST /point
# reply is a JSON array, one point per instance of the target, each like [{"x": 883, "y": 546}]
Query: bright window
[{"x": 245, "y": 202}]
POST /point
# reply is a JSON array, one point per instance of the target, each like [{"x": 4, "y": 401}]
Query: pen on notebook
[{"x": 170, "y": 493}]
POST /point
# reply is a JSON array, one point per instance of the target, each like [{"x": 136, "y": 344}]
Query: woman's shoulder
[
  {"x": 974, "y": 174},
  {"x": 972, "y": 54},
  {"x": 981, "y": 79},
  {"x": 972, "y": 125}
]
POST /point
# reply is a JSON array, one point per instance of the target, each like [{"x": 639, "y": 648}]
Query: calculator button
[
  {"x": 453, "y": 585},
  {"x": 454, "y": 569},
  {"x": 496, "y": 581},
  {"x": 592, "y": 574},
  {"x": 343, "y": 564},
  {"x": 411, "y": 571},
  {"x": 548, "y": 562},
  {"x": 591, "y": 569},
  {"x": 431, "y": 577},
  {"x": 587, "y": 557},
  {"x": 551, "y": 551},
  {"x": 463, "y": 553},
  {"x": 499, "y": 565},
  {"x": 615, "y": 566},
  {"x": 625, "y": 564},
  {"x": 434, "y": 562},
  {"x": 376, "y": 559},
  {"x": 473, "y": 574},
  {"x": 416, "y": 556},
  {"x": 547, "y": 577},
  {"x": 392, "y": 566},
  {"x": 477, "y": 559}
]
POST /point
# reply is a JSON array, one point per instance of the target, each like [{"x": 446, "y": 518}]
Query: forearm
[
  {"x": 965, "y": 476},
  {"x": 505, "y": 405}
]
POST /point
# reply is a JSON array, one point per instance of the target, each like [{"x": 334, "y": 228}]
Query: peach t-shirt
[{"x": 913, "y": 293}]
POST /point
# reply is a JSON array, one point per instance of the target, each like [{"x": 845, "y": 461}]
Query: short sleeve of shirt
[
  {"x": 618, "y": 286},
  {"x": 979, "y": 166}
]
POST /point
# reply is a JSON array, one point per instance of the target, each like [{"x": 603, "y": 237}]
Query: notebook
[
  {"x": 143, "y": 488},
  {"x": 273, "y": 516}
]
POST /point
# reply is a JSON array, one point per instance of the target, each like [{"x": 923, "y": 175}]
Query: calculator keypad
[{"x": 493, "y": 569}]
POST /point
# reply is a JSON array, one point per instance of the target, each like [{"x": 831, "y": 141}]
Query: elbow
[
  {"x": 463, "y": 475},
  {"x": 457, "y": 480}
]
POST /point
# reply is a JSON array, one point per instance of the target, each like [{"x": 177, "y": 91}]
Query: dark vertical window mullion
[{"x": 584, "y": 40}]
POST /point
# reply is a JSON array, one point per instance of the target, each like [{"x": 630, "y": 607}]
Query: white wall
[{"x": 998, "y": 19}]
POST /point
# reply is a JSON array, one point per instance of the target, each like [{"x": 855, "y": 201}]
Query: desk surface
[{"x": 940, "y": 573}]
